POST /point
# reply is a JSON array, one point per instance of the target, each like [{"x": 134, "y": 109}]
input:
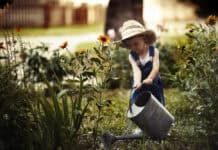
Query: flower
[
  {"x": 211, "y": 20},
  {"x": 18, "y": 30},
  {"x": 2, "y": 45},
  {"x": 104, "y": 39},
  {"x": 64, "y": 45}
]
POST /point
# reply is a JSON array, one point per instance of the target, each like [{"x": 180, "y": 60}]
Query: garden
[{"x": 59, "y": 99}]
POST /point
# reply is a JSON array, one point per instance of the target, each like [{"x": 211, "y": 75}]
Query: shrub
[
  {"x": 121, "y": 69},
  {"x": 17, "y": 126},
  {"x": 80, "y": 79},
  {"x": 167, "y": 63},
  {"x": 62, "y": 115},
  {"x": 198, "y": 71}
]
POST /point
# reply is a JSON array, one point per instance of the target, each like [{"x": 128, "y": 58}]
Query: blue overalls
[{"x": 156, "y": 88}]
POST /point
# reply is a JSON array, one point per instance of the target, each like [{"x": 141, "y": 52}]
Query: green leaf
[
  {"x": 62, "y": 93},
  {"x": 66, "y": 111},
  {"x": 97, "y": 60},
  {"x": 89, "y": 74}
]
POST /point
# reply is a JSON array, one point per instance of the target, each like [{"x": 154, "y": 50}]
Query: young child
[{"x": 144, "y": 59}]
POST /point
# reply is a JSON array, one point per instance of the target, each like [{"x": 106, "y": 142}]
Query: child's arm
[
  {"x": 137, "y": 75},
  {"x": 155, "y": 68}
]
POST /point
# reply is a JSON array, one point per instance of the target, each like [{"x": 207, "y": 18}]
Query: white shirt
[{"x": 146, "y": 59}]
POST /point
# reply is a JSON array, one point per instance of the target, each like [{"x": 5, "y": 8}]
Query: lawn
[
  {"x": 86, "y": 45},
  {"x": 61, "y": 30},
  {"x": 115, "y": 121}
]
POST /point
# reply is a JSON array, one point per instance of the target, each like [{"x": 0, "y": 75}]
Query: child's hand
[
  {"x": 138, "y": 85},
  {"x": 147, "y": 81}
]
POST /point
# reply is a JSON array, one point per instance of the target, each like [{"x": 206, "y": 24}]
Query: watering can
[{"x": 149, "y": 115}]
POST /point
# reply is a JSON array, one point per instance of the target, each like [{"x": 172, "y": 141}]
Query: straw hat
[{"x": 131, "y": 28}]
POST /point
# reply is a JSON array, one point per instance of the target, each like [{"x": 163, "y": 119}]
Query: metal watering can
[{"x": 149, "y": 115}]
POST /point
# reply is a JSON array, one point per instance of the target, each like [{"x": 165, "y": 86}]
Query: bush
[
  {"x": 198, "y": 71},
  {"x": 121, "y": 69},
  {"x": 62, "y": 115},
  {"x": 72, "y": 80},
  {"x": 17, "y": 126},
  {"x": 167, "y": 63}
]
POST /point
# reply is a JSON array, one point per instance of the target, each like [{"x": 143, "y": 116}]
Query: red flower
[
  {"x": 211, "y": 20},
  {"x": 64, "y": 45},
  {"x": 18, "y": 30}
]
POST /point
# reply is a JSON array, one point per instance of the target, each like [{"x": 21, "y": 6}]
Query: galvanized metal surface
[{"x": 154, "y": 119}]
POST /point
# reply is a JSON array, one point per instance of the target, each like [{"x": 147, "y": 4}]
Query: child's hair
[{"x": 150, "y": 37}]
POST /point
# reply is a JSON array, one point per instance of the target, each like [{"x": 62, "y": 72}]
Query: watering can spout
[
  {"x": 108, "y": 139},
  {"x": 150, "y": 116}
]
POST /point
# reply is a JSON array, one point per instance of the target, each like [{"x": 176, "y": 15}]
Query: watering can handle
[{"x": 135, "y": 89}]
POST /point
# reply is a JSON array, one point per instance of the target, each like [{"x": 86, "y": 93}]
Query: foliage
[
  {"x": 17, "y": 127},
  {"x": 167, "y": 63},
  {"x": 121, "y": 69},
  {"x": 37, "y": 66},
  {"x": 197, "y": 74},
  {"x": 80, "y": 79},
  {"x": 78, "y": 107},
  {"x": 183, "y": 135},
  {"x": 63, "y": 114}
]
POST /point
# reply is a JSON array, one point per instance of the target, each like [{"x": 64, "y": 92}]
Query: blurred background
[{"x": 79, "y": 21}]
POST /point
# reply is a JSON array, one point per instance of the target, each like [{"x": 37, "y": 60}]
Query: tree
[
  {"x": 204, "y": 8},
  {"x": 4, "y": 3},
  {"x": 119, "y": 11}
]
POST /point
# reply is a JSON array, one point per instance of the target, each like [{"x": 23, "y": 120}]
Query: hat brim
[
  {"x": 149, "y": 35},
  {"x": 122, "y": 41},
  {"x": 134, "y": 35}
]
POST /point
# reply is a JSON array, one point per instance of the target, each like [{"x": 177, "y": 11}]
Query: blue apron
[{"x": 156, "y": 88}]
